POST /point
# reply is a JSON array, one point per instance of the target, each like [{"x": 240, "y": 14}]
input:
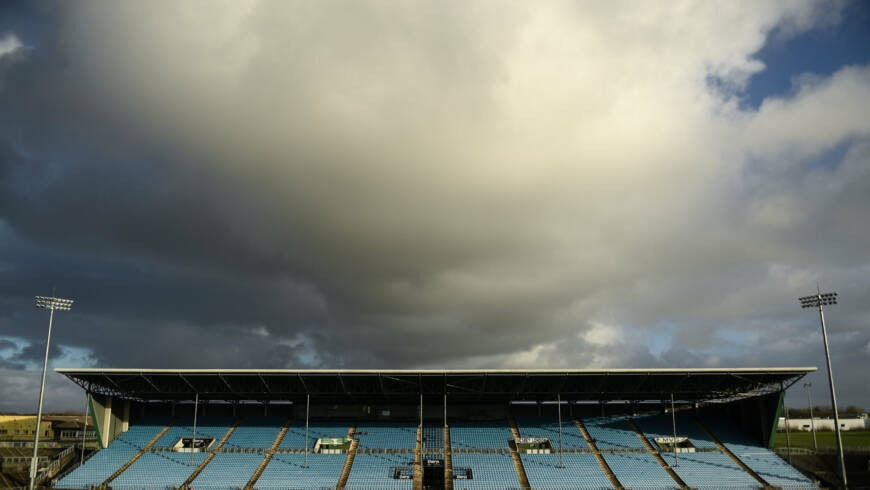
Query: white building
[{"x": 826, "y": 424}]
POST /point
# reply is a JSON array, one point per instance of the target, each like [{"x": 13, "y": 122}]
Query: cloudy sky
[{"x": 390, "y": 184}]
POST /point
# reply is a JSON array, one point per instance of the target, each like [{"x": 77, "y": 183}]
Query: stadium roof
[{"x": 494, "y": 385}]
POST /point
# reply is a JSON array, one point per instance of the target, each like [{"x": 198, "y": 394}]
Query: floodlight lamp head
[
  {"x": 51, "y": 303},
  {"x": 809, "y": 301},
  {"x": 816, "y": 300}
]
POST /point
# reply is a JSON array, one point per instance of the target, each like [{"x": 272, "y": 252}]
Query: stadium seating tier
[{"x": 374, "y": 467}]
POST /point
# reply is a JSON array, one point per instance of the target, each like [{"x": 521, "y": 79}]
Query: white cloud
[
  {"x": 9, "y": 43},
  {"x": 505, "y": 156},
  {"x": 603, "y": 335}
]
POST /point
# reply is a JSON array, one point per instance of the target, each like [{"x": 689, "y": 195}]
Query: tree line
[{"x": 819, "y": 411}]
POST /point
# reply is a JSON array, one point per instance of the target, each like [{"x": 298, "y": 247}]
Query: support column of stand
[
  {"x": 351, "y": 455},
  {"x": 269, "y": 454},
  {"x": 559, "y": 412},
  {"x": 674, "y": 422},
  {"x": 733, "y": 456},
  {"x": 307, "y": 409},
  {"x": 85, "y": 425},
  {"x": 448, "y": 452},
  {"x": 515, "y": 454},
  {"x": 787, "y": 434},
  {"x": 193, "y": 441},
  {"x": 601, "y": 461}
]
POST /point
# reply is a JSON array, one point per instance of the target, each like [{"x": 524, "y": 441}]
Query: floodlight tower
[
  {"x": 809, "y": 387},
  {"x": 49, "y": 303},
  {"x": 818, "y": 300}
]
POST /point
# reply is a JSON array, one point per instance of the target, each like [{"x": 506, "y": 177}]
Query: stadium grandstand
[{"x": 459, "y": 429}]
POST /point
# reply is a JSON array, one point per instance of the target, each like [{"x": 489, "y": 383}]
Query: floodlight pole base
[
  {"x": 833, "y": 398},
  {"x": 35, "y": 461}
]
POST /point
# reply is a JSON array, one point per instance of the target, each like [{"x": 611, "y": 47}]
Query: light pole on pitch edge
[
  {"x": 819, "y": 300},
  {"x": 48, "y": 303},
  {"x": 809, "y": 386}
]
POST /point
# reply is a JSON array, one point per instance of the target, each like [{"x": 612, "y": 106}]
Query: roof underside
[{"x": 484, "y": 386}]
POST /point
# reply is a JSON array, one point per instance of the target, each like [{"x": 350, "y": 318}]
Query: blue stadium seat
[
  {"x": 710, "y": 470},
  {"x": 159, "y": 470},
  {"x": 763, "y": 461},
  {"x": 288, "y": 471},
  {"x": 774, "y": 469},
  {"x": 376, "y": 471},
  {"x": 663, "y": 426},
  {"x": 549, "y": 427},
  {"x": 612, "y": 432},
  {"x": 635, "y": 469},
  {"x": 489, "y": 471},
  {"x": 228, "y": 470},
  {"x": 481, "y": 435},
  {"x": 295, "y": 436},
  {"x": 105, "y": 462},
  {"x": 100, "y": 467},
  {"x": 639, "y": 470},
  {"x": 255, "y": 432},
  {"x": 395, "y": 435},
  {"x": 580, "y": 471}
]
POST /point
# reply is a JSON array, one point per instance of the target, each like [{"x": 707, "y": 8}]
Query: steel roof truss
[
  {"x": 147, "y": 380},
  {"x": 265, "y": 384},
  {"x": 193, "y": 388},
  {"x": 227, "y": 384}
]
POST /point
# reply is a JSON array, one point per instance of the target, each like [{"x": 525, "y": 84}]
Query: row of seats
[
  {"x": 256, "y": 432},
  {"x": 295, "y": 436},
  {"x": 639, "y": 470},
  {"x": 760, "y": 459},
  {"x": 213, "y": 427},
  {"x": 104, "y": 463},
  {"x": 376, "y": 471},
  {"x": 612, "y": 432},
  {"x": 483, "y": 435},
  {"x": 489, "y": 471},
  {"x": 160, "y": 470},
  {"x": 228, "y": 470},
  {"x": 775, "y": 470},
  {"x": 288, "y": 471},
  {"x": 580, "y": 470},
  {"x": 549, "y": 428},
  {"x": 711, "y": 470},
  {"x": 141, "y": 433},
  {"x": 663, "y": 426},
  {"x": 100, "y": 466},
  {"x": 387, "y": 435}
]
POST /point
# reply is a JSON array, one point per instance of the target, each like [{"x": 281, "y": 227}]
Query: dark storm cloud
[
  {"x": 120, "y": 304},
  {"x": 363, "y": 185}
]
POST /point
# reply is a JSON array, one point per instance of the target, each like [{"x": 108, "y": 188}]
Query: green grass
[{"x": 825, "y": 439}]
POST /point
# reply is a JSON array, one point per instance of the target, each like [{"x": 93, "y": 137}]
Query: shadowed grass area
[{"x": 825, "y": 439}]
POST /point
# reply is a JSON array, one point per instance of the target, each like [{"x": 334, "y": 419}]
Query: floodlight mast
[
  {"x": 809, "y": 387},
  {"x": 819, "y": 300},
  {"x": 49, "y": 303}
]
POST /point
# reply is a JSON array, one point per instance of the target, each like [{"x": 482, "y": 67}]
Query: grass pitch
[{"x": 825, "y": 439}]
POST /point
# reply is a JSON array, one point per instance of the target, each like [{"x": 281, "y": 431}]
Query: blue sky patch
[{"x": 820, "y": 51}]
